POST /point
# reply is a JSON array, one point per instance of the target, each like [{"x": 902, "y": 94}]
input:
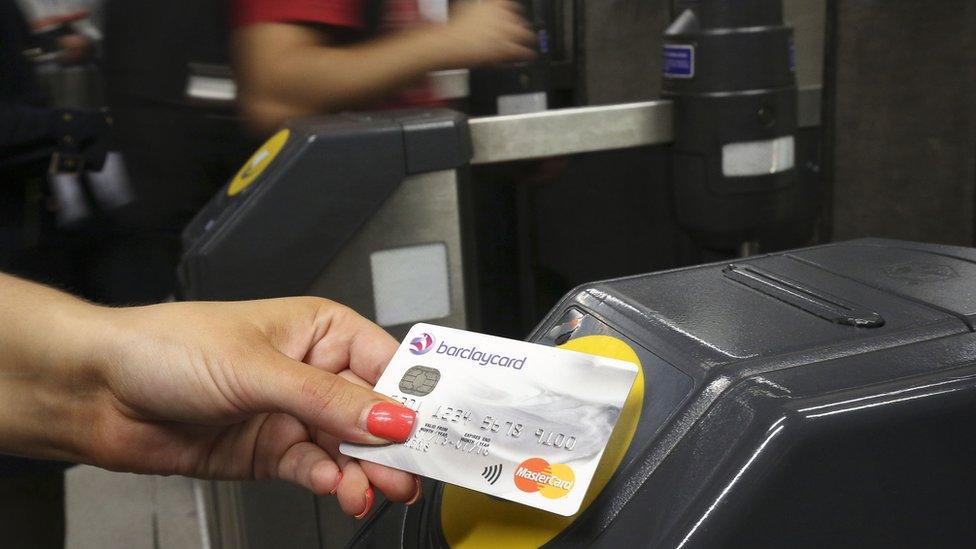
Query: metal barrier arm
[
  {"x": 535, "y": 135},
  {"x": 589, "y": 129},
  {"x": 570, "y": 131}
]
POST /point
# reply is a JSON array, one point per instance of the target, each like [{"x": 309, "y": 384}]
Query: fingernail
[
  {"x": 391, "y": 421},
  {"x": 420, "y": 492},
  {"x": 336, "y": 487},
  {"x": 369, "y": 504}
]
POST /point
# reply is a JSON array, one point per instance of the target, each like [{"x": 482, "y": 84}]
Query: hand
[
  {"x": 488, "y": 32},
  {"x": 263, "y": 389},
  {"x": 75, "y": 48}
]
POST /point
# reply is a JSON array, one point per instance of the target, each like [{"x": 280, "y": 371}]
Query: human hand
[
  {"x": 263, "y": 389},
  {"x": 486, "y": 32},
  {"x": 75, "y": 48}
]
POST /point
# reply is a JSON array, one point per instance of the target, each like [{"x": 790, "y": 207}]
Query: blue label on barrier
[
  {"x": 679, "y": 61},
  {"x": 543, "y": 41}
]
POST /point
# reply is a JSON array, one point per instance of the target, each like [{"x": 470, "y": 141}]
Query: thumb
[{"x": 328, "y": 402}]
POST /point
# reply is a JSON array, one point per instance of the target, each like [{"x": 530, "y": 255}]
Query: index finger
[{"x": 352, "y": 341}]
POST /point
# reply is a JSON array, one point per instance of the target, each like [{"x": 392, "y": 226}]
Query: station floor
[{"x": 106, "y": 509}]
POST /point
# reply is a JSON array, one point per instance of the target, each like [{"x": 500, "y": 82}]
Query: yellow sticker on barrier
[
  {"x": 258, "y": 162},
  {"x": 471, "y": 520}
]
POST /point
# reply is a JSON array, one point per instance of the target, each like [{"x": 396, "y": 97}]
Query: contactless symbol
[
  {"x": 419, "y": 380},
  {"x": 421, "y": 344},
  {"x": 552, "y": 481},
  {"x": 492, "y": 473}
]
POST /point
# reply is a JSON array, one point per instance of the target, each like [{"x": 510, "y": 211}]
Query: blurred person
[
  {"x": 293, "y": 57},
  {"x": 31, "y": 130},
  {"x": 300, "y": 57},
  {"x": 262, "y": 389},
  {"x": 41, "y": 146}
]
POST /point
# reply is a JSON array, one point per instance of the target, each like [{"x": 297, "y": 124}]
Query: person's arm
[
  {"x": 287, "y": 70},
  {"x": 263, "y": 389}
]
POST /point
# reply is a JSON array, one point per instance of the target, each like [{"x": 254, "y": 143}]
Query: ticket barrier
[
  {"x": 817, "y": 398},
  {"x": 367, "y": 209},
  {"x": 361, "y": 208}
]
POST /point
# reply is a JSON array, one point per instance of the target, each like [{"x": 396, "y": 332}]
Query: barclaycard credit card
[{"x": 519, "y": 421}]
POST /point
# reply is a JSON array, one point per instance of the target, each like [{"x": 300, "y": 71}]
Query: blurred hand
[
  {"x": 263, "y": 389},
  {"x": 487, "y": 32},
  {"x": 75, "y": 48}
]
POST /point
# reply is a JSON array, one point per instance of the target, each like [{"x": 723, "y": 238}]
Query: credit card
[{"x": 519, "y": 421}]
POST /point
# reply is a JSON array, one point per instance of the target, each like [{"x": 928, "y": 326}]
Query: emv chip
[{"x": 419, "y": 380}]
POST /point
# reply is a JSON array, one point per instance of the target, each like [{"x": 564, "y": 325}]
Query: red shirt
[
  {"x": 397, "y": 14},
  {"x": 342, "y": 13}
]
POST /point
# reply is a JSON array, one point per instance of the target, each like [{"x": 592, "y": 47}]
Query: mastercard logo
[{"x": 550, "y": 480}]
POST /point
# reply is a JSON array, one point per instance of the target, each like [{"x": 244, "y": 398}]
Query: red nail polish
[
  {"x": 418, "y": 494},
  {"x": 391, "y": 421},
  {"x": 369, "y": 503},
  {"x": 336, "y": 487}
]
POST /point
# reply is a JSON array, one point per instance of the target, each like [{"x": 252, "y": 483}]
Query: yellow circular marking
[
  {"x": 471, "y": 520},
  {"x": 258, "y": 162}
]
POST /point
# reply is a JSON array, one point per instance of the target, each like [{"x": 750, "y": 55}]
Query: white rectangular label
[
  {"x": 524, "y": 103},
  {"x": 750, "y": 158},
  {"x": 411, "y": 284}
]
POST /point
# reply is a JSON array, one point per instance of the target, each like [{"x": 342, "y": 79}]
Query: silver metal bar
[
  {"x": 538, "y": 135},
  {"x": 590, "y": 129},
  {"x": 570, "y": 131}
]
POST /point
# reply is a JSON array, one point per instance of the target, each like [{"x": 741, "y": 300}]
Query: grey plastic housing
[
  {"x": 332, "y": 175},
  {"x": 798, "y": 429}
]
